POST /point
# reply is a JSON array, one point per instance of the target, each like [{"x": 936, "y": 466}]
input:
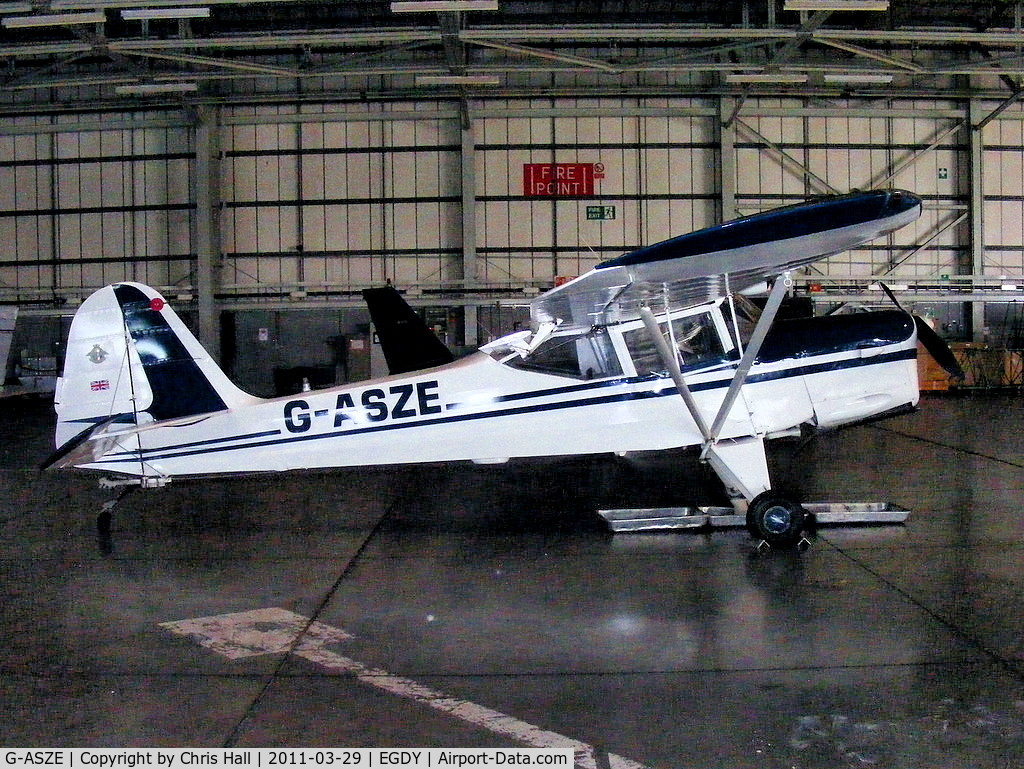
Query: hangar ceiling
[{"x": 69, "y": 53}]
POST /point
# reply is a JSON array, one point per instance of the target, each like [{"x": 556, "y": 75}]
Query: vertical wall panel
[
  {"x": 368, "y": 205},
  {"x": 69, "y": 207},
  {"x": 1003, "y": 182},
  {"x": 86, "y": 203},
  {"x": 362, "y": 193},
  {"x": 647, "y": 162}
]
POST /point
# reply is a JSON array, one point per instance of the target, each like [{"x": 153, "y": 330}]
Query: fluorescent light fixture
[
  {"x": 53, "y": 20},
  {"x": 144, "y": 14},
  {"x": 146, "y": 89},
  {"x": 16, "y": 8},
  {"x": 836, "y": 5},
  {"x": 457, "y": 80},
  {"x": 443, "y": 6},
  {"x": 858, "y": 77},
  {"x": 768, "y": 77}
]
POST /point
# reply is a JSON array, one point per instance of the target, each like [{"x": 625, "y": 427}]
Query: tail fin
[
  {"x": 407, "y": 343},
  {"x": 130, "y": 359}
]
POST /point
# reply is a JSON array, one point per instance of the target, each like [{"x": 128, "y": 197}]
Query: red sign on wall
[{"x": 560, "y": 180}]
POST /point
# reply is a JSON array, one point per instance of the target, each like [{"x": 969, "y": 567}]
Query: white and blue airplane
[{"x": 644, "y": 352}]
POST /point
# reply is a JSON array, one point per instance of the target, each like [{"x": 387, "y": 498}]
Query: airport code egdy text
[{"x": 173, "y": 758}]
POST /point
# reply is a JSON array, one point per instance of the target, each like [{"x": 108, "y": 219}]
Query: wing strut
[
  {"x": 672, "y": 363},
  {"x": 740, "y": 463},
  {"x": 764, "y": 323}
]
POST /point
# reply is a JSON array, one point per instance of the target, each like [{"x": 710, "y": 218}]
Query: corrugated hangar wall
[{"x": 263, "y": 223}]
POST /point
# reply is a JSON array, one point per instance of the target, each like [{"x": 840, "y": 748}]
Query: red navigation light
[{"x": 156, "y": 304}]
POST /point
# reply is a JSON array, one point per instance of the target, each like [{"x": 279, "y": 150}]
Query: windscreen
[{"x": 582, "y": 356}]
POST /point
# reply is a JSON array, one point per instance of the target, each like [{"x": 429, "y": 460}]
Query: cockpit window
[
  {"x": 582, "y": 356},
  {"x": 695, "y": 339}
]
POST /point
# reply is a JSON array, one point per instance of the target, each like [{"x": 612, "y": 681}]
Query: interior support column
[
  {"x": 204, "y": 226},
  {"x": 976, "y": 310},
  {"x": 469, "y": 259},
  {"x": 726, "y": 160}
]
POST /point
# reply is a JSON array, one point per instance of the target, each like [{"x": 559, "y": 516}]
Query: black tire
[{"x": 776, "y": 520}]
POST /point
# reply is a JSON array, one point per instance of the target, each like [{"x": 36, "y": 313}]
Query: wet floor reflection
[{"x": 886, "y": 646}]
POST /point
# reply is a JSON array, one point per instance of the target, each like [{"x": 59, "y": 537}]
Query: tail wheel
[{"x": 776, "y": 520}]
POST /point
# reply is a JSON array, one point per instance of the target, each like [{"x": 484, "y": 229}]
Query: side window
[
  {"x": 643, "y": 352},
  {"x": 697, "y": 340},
  {"x": 694, "y": 337},
  {"x": 581, "y": 356}
]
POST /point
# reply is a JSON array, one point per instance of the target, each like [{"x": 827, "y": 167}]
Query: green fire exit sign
[{"x": 600, "y": 212}]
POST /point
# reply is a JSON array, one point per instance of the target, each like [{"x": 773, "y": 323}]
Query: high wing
[{"x": 705, "y": 265}]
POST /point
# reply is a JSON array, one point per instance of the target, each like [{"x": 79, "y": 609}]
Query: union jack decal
[{"x": 100, "y": 384}]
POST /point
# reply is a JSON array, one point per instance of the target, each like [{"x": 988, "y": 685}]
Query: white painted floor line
[{"x": 276, "y": 631}]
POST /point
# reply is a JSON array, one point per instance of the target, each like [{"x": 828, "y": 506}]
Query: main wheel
[{"x": 776, "y": 520}]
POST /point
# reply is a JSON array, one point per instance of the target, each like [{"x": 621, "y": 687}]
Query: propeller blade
[
  {"x": 932, "y": 342},
  {"x": 937, "y": 348},
  {"x": 891, "y": 295}
]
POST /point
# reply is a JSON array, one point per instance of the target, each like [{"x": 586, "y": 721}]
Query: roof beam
[
  {"x": 219, "y": 63},
  {"x": 869, "y": 54},
  {"x": 548, "y": 55}
]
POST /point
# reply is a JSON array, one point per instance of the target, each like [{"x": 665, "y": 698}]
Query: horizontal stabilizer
[
  {"x": 408, "y": 344},
  {"x": 83, "y": 447}
]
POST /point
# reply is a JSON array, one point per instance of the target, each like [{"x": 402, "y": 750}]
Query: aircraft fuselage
[{"x": 484, "y": 410}]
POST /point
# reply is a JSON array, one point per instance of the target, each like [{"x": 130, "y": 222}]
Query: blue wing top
[{"x": 703, "y": 265}]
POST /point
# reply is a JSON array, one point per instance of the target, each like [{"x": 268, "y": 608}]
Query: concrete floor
[{"x": 888, "y": 647}]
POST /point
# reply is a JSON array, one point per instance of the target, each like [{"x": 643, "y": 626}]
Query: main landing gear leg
[{"x": 772, "y": 520}]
